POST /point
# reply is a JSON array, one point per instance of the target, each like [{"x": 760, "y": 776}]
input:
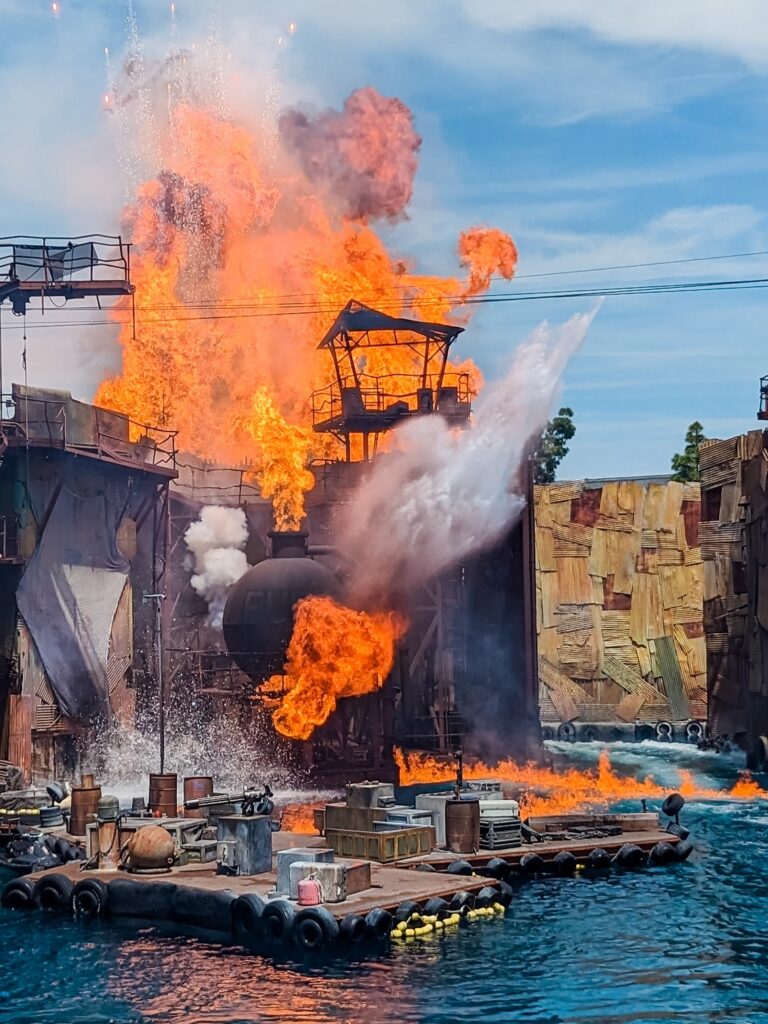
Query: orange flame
[
  {"x": 334, "y": 652},
  {"x": 542, "y": 790},
  {"x": 241, "y": 263},
  {"x": 282, "y": 450},
  {"x": 300, "y": 817}
]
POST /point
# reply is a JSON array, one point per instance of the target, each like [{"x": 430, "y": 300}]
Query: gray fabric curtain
[{"x": 68, "y": 596}]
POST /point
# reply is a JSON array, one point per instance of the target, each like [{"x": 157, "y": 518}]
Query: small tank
[{"x": 259, "y": 613}]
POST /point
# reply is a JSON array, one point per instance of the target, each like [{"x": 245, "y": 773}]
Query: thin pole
[
  {"x": 160, "y": 679},
  {"x": 1, "y": 361}
]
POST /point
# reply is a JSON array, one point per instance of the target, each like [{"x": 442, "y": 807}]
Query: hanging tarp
[{"x": 68, "y": 596}]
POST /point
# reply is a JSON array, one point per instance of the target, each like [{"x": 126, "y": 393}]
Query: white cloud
[{"x": 735, "y": 29}]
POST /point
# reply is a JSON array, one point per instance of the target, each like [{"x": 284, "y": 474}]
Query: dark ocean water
[{"x": 686, "y": 944}]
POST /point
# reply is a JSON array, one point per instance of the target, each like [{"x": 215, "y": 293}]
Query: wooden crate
[{"x": 383, "y": 847}]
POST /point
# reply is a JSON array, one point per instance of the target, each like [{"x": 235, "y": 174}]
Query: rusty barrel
[
  {"x": 195, "y": 788},
  {"x": 162, "y": 795},
  {"x": 85, "y": 804},
  {"x": 462, "y": 825}
]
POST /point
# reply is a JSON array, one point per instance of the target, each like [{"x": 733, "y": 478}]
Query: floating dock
[{"x": 411, "y": 897}]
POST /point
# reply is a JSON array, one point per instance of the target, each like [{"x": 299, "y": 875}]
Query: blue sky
[{"x": 597, "y": 133}]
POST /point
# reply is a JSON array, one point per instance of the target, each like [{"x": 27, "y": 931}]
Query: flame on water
[
  {"x": 244, "y": 250},
  {"x": 542, "y": 790},
  {"x": 334, "y": 652}
]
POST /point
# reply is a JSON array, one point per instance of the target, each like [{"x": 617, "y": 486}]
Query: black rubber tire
[
  {"x": 246, "y": 914},
  {"x": 598, "y": 860},
  {"x": 631, "y": 856},
  {"x": 378, "y": 924},
  {"x": 673, "y": 804},
  {"x": 506, "y": 892},
  {"x": 664, "y": 732},
  {"x": 53, "y": 892},
  {"x": 487, "y": 896},
  {"x": 683, "y": 850},
  {"x": 207, "y": 909},
  {"x": 566, "y": 732},
  {"x": 127, "y": 897},
  {"x": 462, "y": 899},
  {"x": 588, "y": 734},
  {"x": 496, "y": 867},
  {"x": 677, "y": 830},
  {"x": 314, "y": 928},
  {"x": 426, "y": 867},
  {"x": 459, "y": 867},
  {"x": 18, "y": 894},
  {"x": 352, "y": 928},
  {"x": 277, "y": 921},
  {"x": 662, "y": 853},
  {"x": 564, "y": 863},
  {"x": 531, "y": 864},
  {"x": 406, "y": 908},
  {"x": 89, "y": 898},
  {"x": 436, "y": 905}
]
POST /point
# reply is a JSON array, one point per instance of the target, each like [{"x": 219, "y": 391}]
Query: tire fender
[
  {"x": 18, "y": 894},
  {"x": 246, "y": 915},
  {"x": 89, "y": 898},
  {"x": 314, "y": 928},
  {"x": 53, "y": 892},
  {"x": 378, "y": 924},
  {"x": 277, "y": 921}
]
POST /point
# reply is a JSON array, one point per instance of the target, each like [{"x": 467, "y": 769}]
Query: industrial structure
[{"x": 93, "y": 512}]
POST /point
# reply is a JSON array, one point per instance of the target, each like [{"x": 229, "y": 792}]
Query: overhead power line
[{"x": 309, "y": 310}]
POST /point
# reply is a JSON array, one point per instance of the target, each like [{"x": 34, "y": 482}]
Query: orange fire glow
[
  {"x": 241, "y": 261},
  {"x": 300, "y": 818},
  {"x": 334, "y": 652},
  {"x": 282, "y": 452},
  {"x": 542, "y": 790}
]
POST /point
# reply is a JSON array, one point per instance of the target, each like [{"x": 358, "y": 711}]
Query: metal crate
[
  {"x": 501, "y": 834},
  {"x": 383, "y": 847}
]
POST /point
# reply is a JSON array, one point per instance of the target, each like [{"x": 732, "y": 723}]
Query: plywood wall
[
  {"x": 734, "y": 539},
  {"x": 619, "y": 591}
]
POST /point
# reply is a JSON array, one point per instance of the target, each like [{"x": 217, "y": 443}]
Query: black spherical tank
[{"x": 259, "y": 613}]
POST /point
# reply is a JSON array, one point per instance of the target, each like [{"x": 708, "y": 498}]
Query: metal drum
[
  {"x": 462, "y": 825},
  {"x": 196, "y": 787},
  {"x": 84, "y": 807},
  {"x": 162, "y": 795}
]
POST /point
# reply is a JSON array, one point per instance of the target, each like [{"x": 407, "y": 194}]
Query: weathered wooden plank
[
  {"x": 628, "y": 706},
  {"x": 627, "y": 679},
  {"x": 666, "y": 657}
]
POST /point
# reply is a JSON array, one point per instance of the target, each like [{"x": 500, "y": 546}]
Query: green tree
[
  {"x": 552, "y": 447},
  {"x": 685, "y": 467}
]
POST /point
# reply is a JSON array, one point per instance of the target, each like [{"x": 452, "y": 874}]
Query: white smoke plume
[
  {"x": 441, "y": 494},
  {"x": 216, "y": 541}
]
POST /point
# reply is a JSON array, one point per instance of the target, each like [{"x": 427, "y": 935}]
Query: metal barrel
[
  {"x": 84, "y": 807},
  {"x": 462, "y": 826},
  {"x": 195, "y": 788},
  {"x": 162, "y": 794}
]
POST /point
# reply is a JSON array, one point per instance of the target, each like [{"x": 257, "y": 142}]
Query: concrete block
[
  {"x": 337, "y": 880},
  {"x": 370, "y": 794},
  {"x": 284, "y": 859}
]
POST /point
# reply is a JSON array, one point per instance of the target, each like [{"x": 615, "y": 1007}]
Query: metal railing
[
  {"x": 55, "y": 261},
  {"x": 40, "y": 422},
  {"x": 377, "y": 395}
]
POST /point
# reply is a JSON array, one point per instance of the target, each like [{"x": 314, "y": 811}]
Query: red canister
[{"x": 309, "y": 892}]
